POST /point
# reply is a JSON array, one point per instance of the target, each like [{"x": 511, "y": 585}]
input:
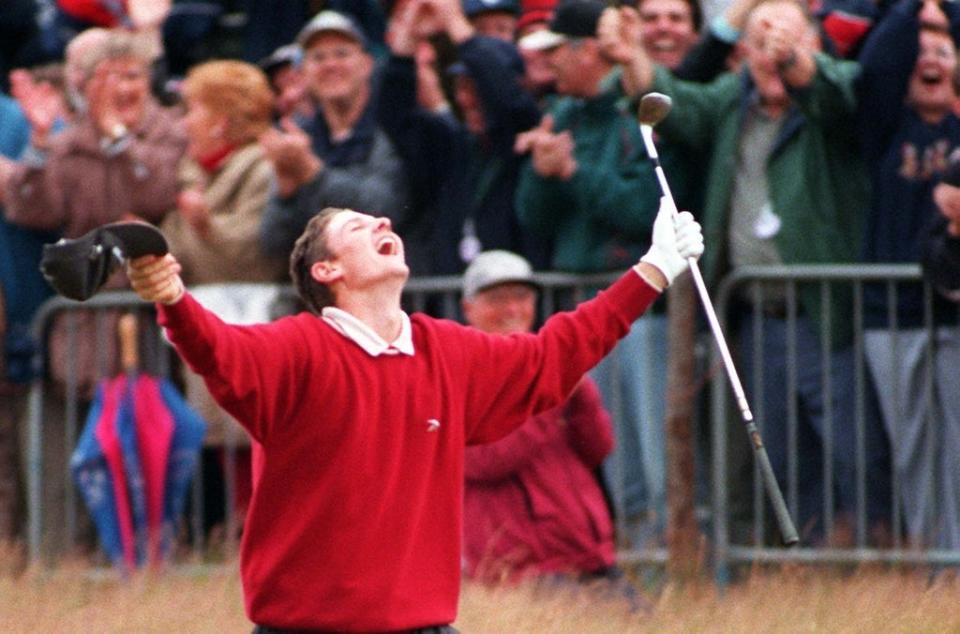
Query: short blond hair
[{"x": 236, "y": 89}]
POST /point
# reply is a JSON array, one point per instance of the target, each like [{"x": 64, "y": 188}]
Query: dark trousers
[
  {"x": 779, "y": 393},
  {"x": 433, "y": 629}
]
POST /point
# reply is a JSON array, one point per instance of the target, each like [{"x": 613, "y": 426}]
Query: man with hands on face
[
  {"x": 362, "y": 414},
  {"x": 785, "y": 184}
]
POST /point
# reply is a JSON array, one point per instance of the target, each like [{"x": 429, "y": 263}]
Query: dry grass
[{"x": 69, "y": 599}]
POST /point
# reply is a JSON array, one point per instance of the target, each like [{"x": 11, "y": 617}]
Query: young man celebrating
[{"x": 362, "y": 414}]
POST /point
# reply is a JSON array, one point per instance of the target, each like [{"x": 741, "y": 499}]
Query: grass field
[{"x": 69, "y": 599}]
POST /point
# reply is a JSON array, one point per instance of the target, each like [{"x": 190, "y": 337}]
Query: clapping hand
[
  {"x": 290, "y": 151},
  {"x": 552, "y": 152},
  {"x": 41, "y": 103}
]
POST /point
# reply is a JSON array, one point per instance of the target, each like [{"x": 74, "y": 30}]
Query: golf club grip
[{"x": 788, "y": 532}]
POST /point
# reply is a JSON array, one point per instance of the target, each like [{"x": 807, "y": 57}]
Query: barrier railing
[
  {"x": 742, "y": 532},
  {"x": 55, "y": 516}
]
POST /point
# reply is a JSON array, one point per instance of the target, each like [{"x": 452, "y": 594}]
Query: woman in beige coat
[{"x": 225, "y": 183}]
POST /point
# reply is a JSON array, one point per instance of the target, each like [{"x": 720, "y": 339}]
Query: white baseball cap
[{"x": 491, "y": 268}]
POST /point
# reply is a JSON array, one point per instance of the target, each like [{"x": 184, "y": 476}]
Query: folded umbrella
[{"x": 135, "y": 459}]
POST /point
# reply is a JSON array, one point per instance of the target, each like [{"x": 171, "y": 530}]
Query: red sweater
[
  {"x": 356, "y": 519},
  {"x": 532, "y": 503}
]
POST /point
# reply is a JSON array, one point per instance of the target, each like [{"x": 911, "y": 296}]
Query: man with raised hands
[{"x": 362, "y": 414}]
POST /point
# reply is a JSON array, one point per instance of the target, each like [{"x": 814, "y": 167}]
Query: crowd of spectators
[{"x": 799, "y": 135}]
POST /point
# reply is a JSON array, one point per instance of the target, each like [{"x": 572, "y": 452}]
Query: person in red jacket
[
  {"x": 531, "y": 502},
  {"x": 361, "y": 414}
]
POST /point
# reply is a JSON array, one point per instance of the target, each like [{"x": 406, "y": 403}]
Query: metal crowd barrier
[
  {"x": 61, "y": 513},
  {"x": 441, "y": 296},
  {"x": 759, "y": 542}
]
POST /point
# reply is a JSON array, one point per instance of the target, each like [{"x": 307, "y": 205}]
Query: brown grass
[{"x": 70, "y": 599}]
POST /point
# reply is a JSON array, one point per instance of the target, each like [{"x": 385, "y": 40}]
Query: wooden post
[{"x": 683, "y": 536}]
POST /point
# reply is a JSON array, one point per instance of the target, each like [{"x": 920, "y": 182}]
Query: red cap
[{"x": 533, "y": 11}]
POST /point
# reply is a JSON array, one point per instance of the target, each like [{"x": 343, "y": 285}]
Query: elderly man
[
  {"x": 340, "y": 157},
  {"x": 532, "y": 504},
  {"x": 362, "y": 414}
]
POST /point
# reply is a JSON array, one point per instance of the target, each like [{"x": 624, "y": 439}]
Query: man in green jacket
[
  {"x": 589, "y": 190},
  {"x": 785, "y": 185}
]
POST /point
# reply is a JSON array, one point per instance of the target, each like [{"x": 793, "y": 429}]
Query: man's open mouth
[{"x": 387, "y": 246}]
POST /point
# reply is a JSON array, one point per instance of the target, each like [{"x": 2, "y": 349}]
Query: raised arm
[{"x": 537, "y": 372}]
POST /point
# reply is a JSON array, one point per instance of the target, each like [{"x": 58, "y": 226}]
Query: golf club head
[{"x": 654, "y": 107}]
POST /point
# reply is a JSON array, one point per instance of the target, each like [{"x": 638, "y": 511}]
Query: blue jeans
[
  {"x": 633, "y": 382},
  {"x": 799, "y": 456}
]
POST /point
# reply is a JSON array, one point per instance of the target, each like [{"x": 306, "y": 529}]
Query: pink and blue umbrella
[{"x": 133, "y": 465}]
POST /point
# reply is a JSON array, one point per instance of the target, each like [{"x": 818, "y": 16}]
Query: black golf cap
[
  {"x": 77, "y": 268},
  {"x": 571, "y": 19}
]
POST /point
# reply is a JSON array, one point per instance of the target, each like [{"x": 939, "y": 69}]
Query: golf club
[{"x": 653, "y": 108}]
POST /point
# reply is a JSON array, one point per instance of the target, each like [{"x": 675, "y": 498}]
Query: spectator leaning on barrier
[
  {"x": 467, "y": 168},
  {"x": 531, "y": 504},
  {"x": 362, "y": 415},
  {"x": 909, "y": 130},
  {"x": 589, "y": 190},
  {"x": 340, "y": 157},
  {"x": 785, "y": 185}
]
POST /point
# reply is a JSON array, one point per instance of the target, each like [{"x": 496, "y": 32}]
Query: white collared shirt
[{"x": 365, "y": 337}]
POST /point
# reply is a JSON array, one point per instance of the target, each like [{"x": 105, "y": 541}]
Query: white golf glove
[{"x": 676, "y": 237}]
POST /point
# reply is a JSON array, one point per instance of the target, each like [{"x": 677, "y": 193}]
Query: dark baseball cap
[
  {"x": 571, "y": 19},
  {"x": 507, "y": 54},
  {"x": 476, "y": 7},
  {"x": 286, "y": 55},
  {"x": 77, "y": 268}
]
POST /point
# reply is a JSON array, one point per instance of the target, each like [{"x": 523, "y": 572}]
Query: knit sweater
[{"x": 356, "y": 517}]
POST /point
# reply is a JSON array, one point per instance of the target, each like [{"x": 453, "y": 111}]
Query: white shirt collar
[{"x": 365, "y": 337}]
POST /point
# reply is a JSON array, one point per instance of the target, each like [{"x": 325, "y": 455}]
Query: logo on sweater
[{"x": 433, "y": 424}]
